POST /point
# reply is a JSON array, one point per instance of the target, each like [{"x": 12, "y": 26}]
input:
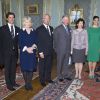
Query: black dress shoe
[
  {"x": 97, "y": 80},
  {"x": 28, "y": 88},
  {"x": 97, "y": 75},
  {"x": 11, "y": 88},
  {"x": 16, "y": 85},
  {"x": 97, "y": 69},
  {"x": 43, "y": 84},
  {"x": 61, "y": 80},
  {"x": 50, "y": 81},
  {"x": 68, "y": 78}
]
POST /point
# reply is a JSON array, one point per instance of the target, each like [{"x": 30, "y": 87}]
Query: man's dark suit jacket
[
  {"x": 9, "y": 44},
  {"x": 45, "y": 41}
]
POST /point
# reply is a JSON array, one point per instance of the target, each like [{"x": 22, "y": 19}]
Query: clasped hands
[{"x": 30, "y": 49}]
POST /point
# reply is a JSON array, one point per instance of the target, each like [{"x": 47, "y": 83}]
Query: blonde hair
[{"x": 27, "y": 18}]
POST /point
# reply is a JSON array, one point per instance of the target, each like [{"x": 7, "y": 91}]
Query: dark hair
[
  {"x": 94, "y": 17},
  {"x": 10, "y": 13},
  {"x": 80, "y": 20}
]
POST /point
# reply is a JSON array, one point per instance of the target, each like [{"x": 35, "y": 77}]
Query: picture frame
[
  {"x": 33, "y": 9},
  {"x": 74, "y": 15}
]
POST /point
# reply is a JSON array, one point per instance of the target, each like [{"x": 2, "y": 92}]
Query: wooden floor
[
  {"x": 90, "y": 89},
  {"x": 22, "y": 94}
]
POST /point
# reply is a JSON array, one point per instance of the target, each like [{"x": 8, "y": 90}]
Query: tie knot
[
  {"x": 11, "y": 26},
  {"x": 47, "y": 26}
]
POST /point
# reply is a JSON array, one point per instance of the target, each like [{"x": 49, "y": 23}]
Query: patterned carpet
[
  {"x": 61, "y": 91},
  {"x": 4, "y": 92},
  {"x": 84, "y": 89},
  {"x": 91, "y": 88},
  {"x": 56, "y": 90}
]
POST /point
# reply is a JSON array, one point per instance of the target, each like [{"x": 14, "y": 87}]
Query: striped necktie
[
  {"x": 12, "y": 31},
  {"x": 48, "y": 30}
]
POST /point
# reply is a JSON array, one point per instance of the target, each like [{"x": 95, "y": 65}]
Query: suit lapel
[
  {"x": 51, "y": 30},
  {"x": 8, "y": 30},
  {"x": 7, "y": 27},
  {"x": 47, "y": 31},
  {"x": 15, "y": 30},
  {"x": 64, "y": 30}
]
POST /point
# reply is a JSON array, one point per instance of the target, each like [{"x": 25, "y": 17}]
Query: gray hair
[
  {"x": 46, "y": 15},
  {"x": 64, "y": 17}
]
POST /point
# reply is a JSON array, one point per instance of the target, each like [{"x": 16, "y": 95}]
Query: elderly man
[
  {"x": 45, "y": 48},
  {"x": 62, "y": 46}
]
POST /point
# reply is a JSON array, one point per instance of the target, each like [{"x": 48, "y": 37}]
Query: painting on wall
[
  {"x": 74, "y": 14},
  {"x": 32, "y": 9}
]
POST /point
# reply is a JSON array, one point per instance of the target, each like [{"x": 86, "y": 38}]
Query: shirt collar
[
  {"x": 10, "y": 24},
  {"x": 45, "y": 25},
  {"x": 64, "y": 25},
  {"x": 25, "y": 29}
]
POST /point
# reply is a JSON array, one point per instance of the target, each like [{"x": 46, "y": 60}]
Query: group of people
[
  {"x": 80, "y": 43},
  {"x": 29, "y": 41}
]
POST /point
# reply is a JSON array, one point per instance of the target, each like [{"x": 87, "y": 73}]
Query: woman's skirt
[{"x": 78, "y": 55}]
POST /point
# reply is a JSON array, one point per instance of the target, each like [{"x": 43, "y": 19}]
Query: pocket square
[{"x": 17, "y": 33}]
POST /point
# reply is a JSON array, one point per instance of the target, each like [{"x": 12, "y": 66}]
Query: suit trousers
[
  {"x": 45, "y": 65},
  {"x": 62, "y": 64},
  {"x": 10, "y": 69}
]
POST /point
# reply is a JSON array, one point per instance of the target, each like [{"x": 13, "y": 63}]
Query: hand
[
  {"x": 71, "y": 52},
  {"x": 85, "y": 53},
  {"x": 41, "y": 55},
  {"x": 29, "y": 50},
  {"x": 34, "y": 46}
]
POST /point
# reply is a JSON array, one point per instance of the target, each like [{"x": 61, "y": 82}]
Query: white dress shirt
[
  {"x": 47, "y": 27},
  {"x": 9, "y": 25}
]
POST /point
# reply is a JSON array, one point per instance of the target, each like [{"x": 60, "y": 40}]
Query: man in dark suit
[
  {"x": 1, "y": 54},
  {"x": 62, "y": 46},
  {"x": 10, "y": 50},
  {"x": 45, "y": 49}
]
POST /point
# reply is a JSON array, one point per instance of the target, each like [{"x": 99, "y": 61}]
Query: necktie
[
  {"x": 12, "y": 31},
  {"x": 48, "y": 30},
  {"x": 67, "y": 31}
]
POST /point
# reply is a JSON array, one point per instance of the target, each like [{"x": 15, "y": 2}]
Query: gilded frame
[
  {"x": 32, "y": 9},
  {"x": 74, "y": 15}
]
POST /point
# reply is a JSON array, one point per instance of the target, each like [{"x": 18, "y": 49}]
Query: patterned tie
[
  {"x": 12, "y": 32},
  {"x": 67, "y": 31}
]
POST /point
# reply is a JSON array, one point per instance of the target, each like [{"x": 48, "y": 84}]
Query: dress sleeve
[
  {"x": 21, "y": 41},
  {"x": 72, "y": 41}
]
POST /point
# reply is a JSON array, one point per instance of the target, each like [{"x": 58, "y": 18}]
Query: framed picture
[
  {"x": 32, "y": 9},
  {"x": 75, "y": 15}
]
